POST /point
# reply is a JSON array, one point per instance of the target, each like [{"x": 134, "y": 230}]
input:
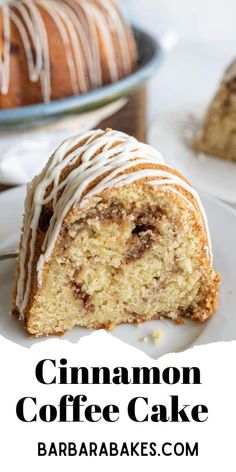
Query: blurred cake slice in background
[{"x": 218, "y": 134}]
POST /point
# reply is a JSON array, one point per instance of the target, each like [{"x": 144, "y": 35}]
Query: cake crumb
[
  {"x": 172, "y": 315},
  {"x": 156, "y": 336},
  {"x": 202, "y": 157},
  {"x": 143, "y": 339},
  {"x": 188, "y": 134},
  {"x": 138, "y": 325}
]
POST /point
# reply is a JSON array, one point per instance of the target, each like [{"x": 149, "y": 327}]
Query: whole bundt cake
[
  {"x": 51, "y": 49},
  {"x": 111, "y": 235}
]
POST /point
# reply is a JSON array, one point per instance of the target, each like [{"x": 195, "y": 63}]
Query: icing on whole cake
[
  {"x": 82, "y": 25},
  {"x": 106, "y": 159}
]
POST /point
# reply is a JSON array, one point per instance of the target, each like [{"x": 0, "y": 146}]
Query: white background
[{"x": 192, "y": 19}]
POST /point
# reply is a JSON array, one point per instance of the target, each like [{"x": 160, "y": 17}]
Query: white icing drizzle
[
  {"x": 102, "y": 155},
  {"x": 84, "y": 26}
]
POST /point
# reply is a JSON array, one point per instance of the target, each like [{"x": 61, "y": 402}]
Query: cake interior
[{"x": 131, "y": 254}]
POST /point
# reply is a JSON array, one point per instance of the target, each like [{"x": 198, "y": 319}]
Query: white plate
[
  {"x": 184, "y": 88},
  {"x": 222, "y": 326}
]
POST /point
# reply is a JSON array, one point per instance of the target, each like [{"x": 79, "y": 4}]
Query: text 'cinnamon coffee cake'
[{"x": 111, "y": 235}]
